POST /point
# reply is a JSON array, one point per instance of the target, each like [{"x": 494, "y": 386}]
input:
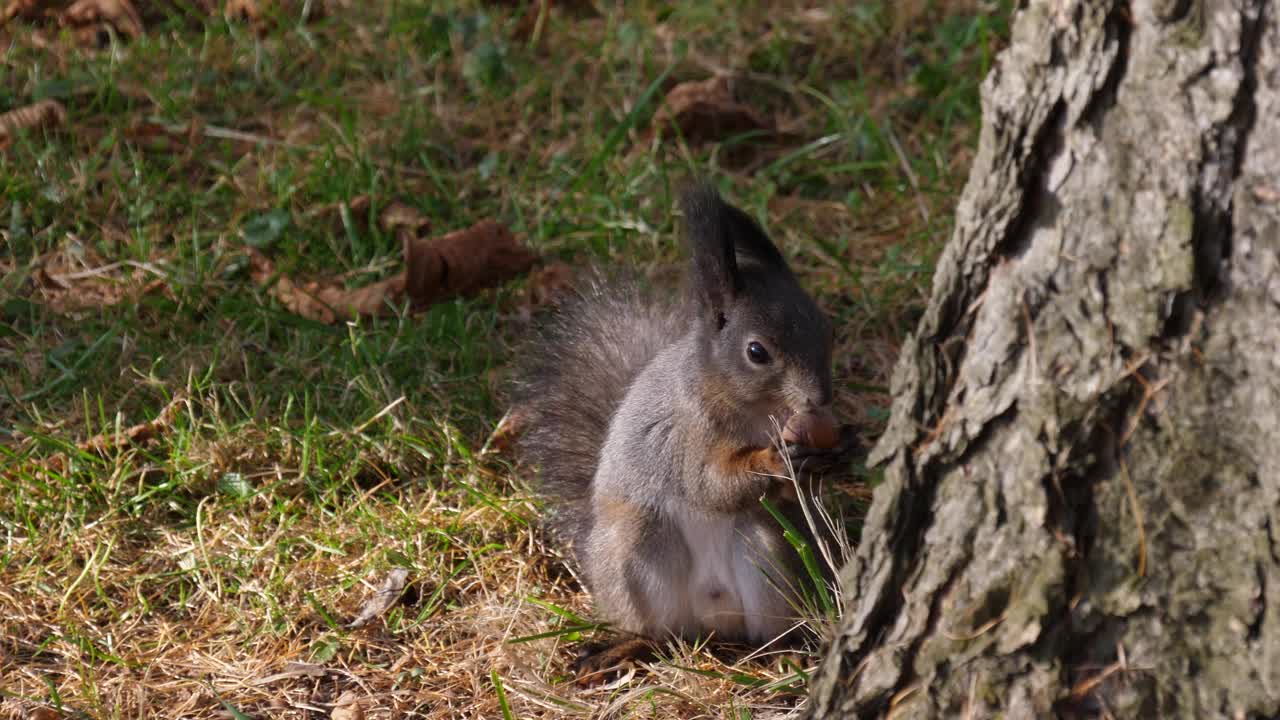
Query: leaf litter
[
  {"x": 459, "y": 263},
  {"x": 90, "y": 19},
  {"x": 706, "y": 110},
  {"x": 386, "y": 596},
  {"x": 70, "y": 280},
  {"x": 45, "y": 113}
]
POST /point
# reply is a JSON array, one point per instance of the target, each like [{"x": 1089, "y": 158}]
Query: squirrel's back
[{"x": 575, "y": 376}]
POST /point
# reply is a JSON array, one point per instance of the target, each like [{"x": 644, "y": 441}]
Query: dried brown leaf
[
  {"x": 387, "y": 595},
  {"x": 381, "y": 99},
  {"x": 548, "y": 285},
  {"x": 292, "y": 670},
  {"x": 64, "y": 286},
  {"x": 347, "y": 707},
  {"x": 706, "y": 110},
  {"x": 359, "y": 206},
  {"x": 462, "y": 262},
  {"x": 458, "y": 263},
  {"x": 244, "y": 10},
  {"x": 25, "y": 9},
  {"x": 119, "y": 14},
  {"x": 325, "y": 301},
  {"x": 137, "y": 434},
  {"x": 398, "y": 215},
  {"x": 509, "y": 428},
  {"x": 45, "y": 113},
  {"x": 260, "y": 12},
  {"x": 391, "y": 218},
  {"x": 357, "y": 209}
]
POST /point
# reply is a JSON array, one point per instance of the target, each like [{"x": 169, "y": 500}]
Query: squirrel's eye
[{"x": 756, "y": 353}]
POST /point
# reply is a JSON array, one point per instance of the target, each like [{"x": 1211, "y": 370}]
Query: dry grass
[{"x": 210, "y": 566}]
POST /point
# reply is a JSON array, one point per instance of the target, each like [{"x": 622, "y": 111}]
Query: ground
[{"x": 201, "y": 489}]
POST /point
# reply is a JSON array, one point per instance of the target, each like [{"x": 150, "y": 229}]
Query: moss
[
  {"x": 1178, "y": 263},
  {"x": 1190, "y": 32}
]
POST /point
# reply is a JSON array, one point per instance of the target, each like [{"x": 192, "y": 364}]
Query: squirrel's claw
[
  {"x": 815, "y": 460},
  {"x": 598, "y": 662}
]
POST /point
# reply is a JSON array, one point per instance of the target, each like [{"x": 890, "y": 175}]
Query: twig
[
  {"x": 1137, "y": 516},
  {"x": 973, "y": 691},
  {"x": 1149, "y": 391},
  {"x": 977, "y": 632}
]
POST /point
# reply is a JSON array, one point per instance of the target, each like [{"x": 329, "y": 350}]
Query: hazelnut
[{"x": 816, "y": 429}]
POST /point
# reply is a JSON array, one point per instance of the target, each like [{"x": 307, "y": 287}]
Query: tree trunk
[{"x": 1080, "y": 513}]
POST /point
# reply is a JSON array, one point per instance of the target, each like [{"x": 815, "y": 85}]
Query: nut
[{"x": 815, "y": 429}]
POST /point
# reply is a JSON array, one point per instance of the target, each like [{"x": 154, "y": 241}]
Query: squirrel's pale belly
[{"x": 735, "y": 575}]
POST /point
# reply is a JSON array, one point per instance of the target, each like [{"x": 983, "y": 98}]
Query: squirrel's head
[{"x": 765, "y": 347}]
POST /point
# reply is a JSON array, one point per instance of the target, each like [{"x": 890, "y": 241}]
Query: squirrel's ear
[
  {"x": 750, "y": 240},
  {"x": 709, "y": 232}
]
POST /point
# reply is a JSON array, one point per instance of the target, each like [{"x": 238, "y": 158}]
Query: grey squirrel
[{"x": 652, "y": 421}]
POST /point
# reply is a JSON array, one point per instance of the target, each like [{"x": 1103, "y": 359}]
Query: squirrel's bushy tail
[{"x": 571, "y": 379}]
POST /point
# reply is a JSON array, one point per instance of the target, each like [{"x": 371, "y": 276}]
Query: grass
[{"x": 182, "y": 575}]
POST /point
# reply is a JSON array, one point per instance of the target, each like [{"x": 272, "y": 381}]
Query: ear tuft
[
  {"x": 711, "y": 246},
  {"x": 749, "y": 239},
  {"x": 719, "y": 236}
]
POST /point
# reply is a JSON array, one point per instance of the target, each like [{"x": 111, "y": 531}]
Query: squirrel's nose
[
  {"x": 822, "y": 396},
  {"x": 806, "y": 393}
]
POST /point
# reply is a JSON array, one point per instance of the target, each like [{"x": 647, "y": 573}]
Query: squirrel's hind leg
[{"x": 638, "y": 566}]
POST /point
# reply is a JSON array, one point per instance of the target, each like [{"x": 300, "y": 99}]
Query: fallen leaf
[
  {"x": 63, "y": 284},
  {"x": 356, "y": 210},
  {"x": 398, "y": 215},
  {"x": 391, "y": 218},
  {"x": 459, "y": 263},
  {"x": 45, "y": 113},
  {"x": 360, "y": 205},
  {"x": 326, "y": 301},
  {"x": 381, "y": 601},
  {"x": 381, "y": 99},
  {"x": 261, "y": 12},
  {"x": 510, "y": 427},
  {"x": 25, "y": 9},
  {"x": 44, "y": 713},
  {"x": 243, "y": 10},
  {"x": 104, "y": 443},
  {"x": 347, "y": 707},
  {"x": 706, "y": 110},
  {"x": 548, "y": 285},
  {"x": 293, "y": 670},
  {"x": 462, "y": 262},
  {"x": 136, "y": 434},
  {"x": 119, "y": 14}
]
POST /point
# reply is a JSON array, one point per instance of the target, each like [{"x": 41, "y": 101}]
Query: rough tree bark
[{"x": 1081, "y": 506}]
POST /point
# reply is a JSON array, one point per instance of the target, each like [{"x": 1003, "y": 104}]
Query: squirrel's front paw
[
  {"x": 805, "y": 459},
  {"x": 597, "y": 663}
]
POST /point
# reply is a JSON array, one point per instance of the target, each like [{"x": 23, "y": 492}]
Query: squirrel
[{"x": 652, "y": 421}]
